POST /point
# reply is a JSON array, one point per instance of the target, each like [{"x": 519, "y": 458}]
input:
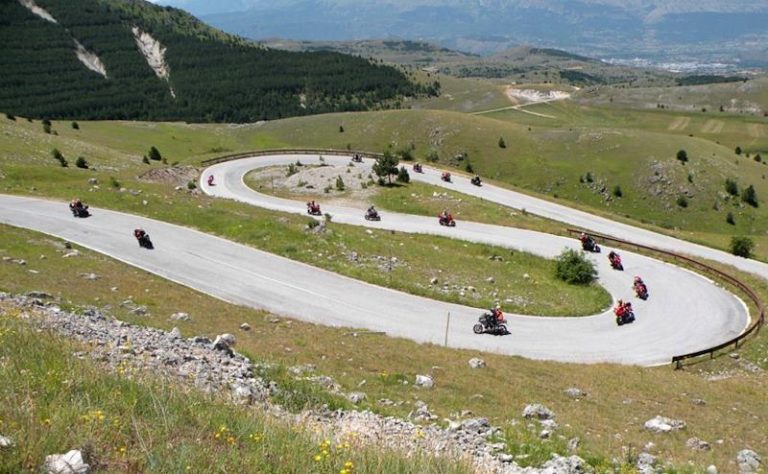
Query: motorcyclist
[
  {"x": 75, "y": 204},
  {"x": 446, "y": 176},
  {"x": 372, "y": 212},
  {"x": 614, "y": 258},
  {"x": 476, "y": 180},
  {"x": 498, "y": 314},
  {"x": 445, "y": 217},
  {"x": 210, "y": 180},
  {"x": 621, "y": 309},
  {"x": 313, "y": 207},
  {"x": 417, "y": 167},
  {"x": 139, "y": 233},
  {"x": 639, "y": 285}
]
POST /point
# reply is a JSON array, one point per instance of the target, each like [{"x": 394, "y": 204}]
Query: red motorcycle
[{"x": 447, "y": 220}]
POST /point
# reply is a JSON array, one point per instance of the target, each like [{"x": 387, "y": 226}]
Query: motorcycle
[
  {"x": 447, "y": 220},
  {"x": 627, "y": 317},
  {"x": 313, "y": 209},
  {"x": 210, "y": 181},
  {"x": 143, "y": 239},
  {"x": 446, "y": 177},
  {"x": 476, "y": 181},
  {"x": 372, "y": 216},
  {"x": 80, "y": 210},
  {"x": 357, "y": 158},
  {"x": 589, "y": 245},
  {"x": 417, "y": 168},
  {"x": 488, "y": 324},
  {"x": 641, "y": 291},
  {"x": 615, "y": 260}
]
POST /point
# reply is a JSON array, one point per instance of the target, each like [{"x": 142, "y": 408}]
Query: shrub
[
  {"x": 690, "y": 178},
  {"x": 341, "y": 128},
  {"x": 617, "y": 191},
  {"x": 758, "y": 158},
  {"x": 432, "y": 156},
  {"x": 588, "y": 177},
  {"x": 729, "y": 219},
  {"x": 327, "y": 189},
  {"x": 312, "y": 224},
  {"x": 405, "y": 153},
  {"x": 291, "y": 170},
  {"x": 502, "y": 143},
  {"x": 742, "y": 246},
  {"x": 81, "y": 163},
  {"x": 682, "y": 201},
  {"x": 339, "y": 183},
  {"x": 573, "y": 267},
  {"x": 59, "y": 157},
  {"x": 737, "y": 150},
  {"x": 403, "y": 176},
  {"x": 154, "y": 154},
  {"x": 114, "y": 182},
  {"x": 682, "y": 156},
  {"x": 731, "y": 187},
  {"x": 468, "y": 167},
  {"x": 191, "y": 184},
  {"x": 749, "y": 196},
  {"x": 10, "y": 117},
  {"x": 47, "y": 127},
  {"x": 145, "y": 160},
  {"x": 75, "y": 126}
]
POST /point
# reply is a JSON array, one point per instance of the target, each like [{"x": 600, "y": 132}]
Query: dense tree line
[{"x": 215, "y": 76}]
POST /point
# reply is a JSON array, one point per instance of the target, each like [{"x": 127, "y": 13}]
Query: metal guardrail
[
  {"x": 288, "y": 151},
  {"x": 736, "y": 341}
]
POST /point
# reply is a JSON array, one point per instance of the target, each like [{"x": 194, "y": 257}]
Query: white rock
[
  {"x": 5, "y": 442},
  {"x": 476, "y": 363},
  {"x": 424, "y": 381},
  {"x": 697, "y": 444},
  {"x": 711, "y": 469},
  {"x": 245, "y": 327},
  {"x": 490, "y": 280},
  {"x": 356, "y": 397},
  {"x": 748, "y": 461},
  {"x": 242, "y": 394},
  {"x": 174, "y": 334},
  {"x": 179, "y": 317},
  {"x": 538, "y": 411},
  {"x": 224, "y": 342},
  {"x": 646, "y": 463},
  {"x": 69, "y": 463},
  {"x": 575, "y": 393},
  {"x": 662, "y": 424}
]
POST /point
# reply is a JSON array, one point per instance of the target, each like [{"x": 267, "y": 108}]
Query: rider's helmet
[
  {"x": 583, "y": 236},
  {"x": 621, "y": 302},
  {"x": 638, "y": 279}
]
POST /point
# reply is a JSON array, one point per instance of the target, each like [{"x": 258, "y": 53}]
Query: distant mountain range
[
  {"x": 707, "y": 30},
  {"x": 116, "y": 59}
]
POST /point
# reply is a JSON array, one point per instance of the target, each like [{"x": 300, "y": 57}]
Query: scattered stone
[
  {"x": 19, "y": 261},
  {"x": 73, "y": 253},
  {"x": 386, "y": 402},
  {"x": 69, "y": 463},
  {"x": 562, "y": 465},
  {"x": 662, "y": 424},
  {"x": 242, "y": 395},
  {"x": 734, "y": 355},
  {"x": 174, "y": 334},
  {"x": 646, "y": 463},
  {"x": 698, "y": 402},
  {"x": 245, "y": 327},
  {"x": 325, "y": 381},
  {"x": 476, "y": 363},
  {"x": 424, "y": 381},
  {"x": 89, "y": 276},
  {"x": 748, "y": 461},
  {"x": 93, "y": 181},
  {"x": 224, "y": 342},
  {"x": 490, "y": 280},
  {"x": 573, "y": 444},
  {"x": 549, "y": 424},
  {"x": 711, "y": 469},
  {"x": 422, "y": 413},
  {"x": 697, "y": 444},
  {"x": 179, "y": 317},
  {"x": 526, "y": 276},
  {"x": 538, "y": 411},
  {"x": 356, "y": 397},
  {"x": 5, "y": 442},
  {"x": 476, "y": 425},
  {"x": 575, "y": 393}
]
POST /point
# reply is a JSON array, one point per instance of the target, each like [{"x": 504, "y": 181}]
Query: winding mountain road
[{"x": 685, "y": 312}]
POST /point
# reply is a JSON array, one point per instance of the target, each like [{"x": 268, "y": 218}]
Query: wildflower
[
  {"x": 349, "y": 465},
  {"x": 318, "y": 457}
]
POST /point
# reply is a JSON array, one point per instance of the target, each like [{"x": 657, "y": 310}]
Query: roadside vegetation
[{"x": 130, "y": 422}]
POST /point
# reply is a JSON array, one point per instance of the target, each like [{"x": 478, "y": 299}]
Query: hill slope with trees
[{"x": 209, "y": 75}]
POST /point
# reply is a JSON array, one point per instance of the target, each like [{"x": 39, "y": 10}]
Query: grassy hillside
[
  {"x": 211, "y": 76},
  {"x": 617, "y": 148}
]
